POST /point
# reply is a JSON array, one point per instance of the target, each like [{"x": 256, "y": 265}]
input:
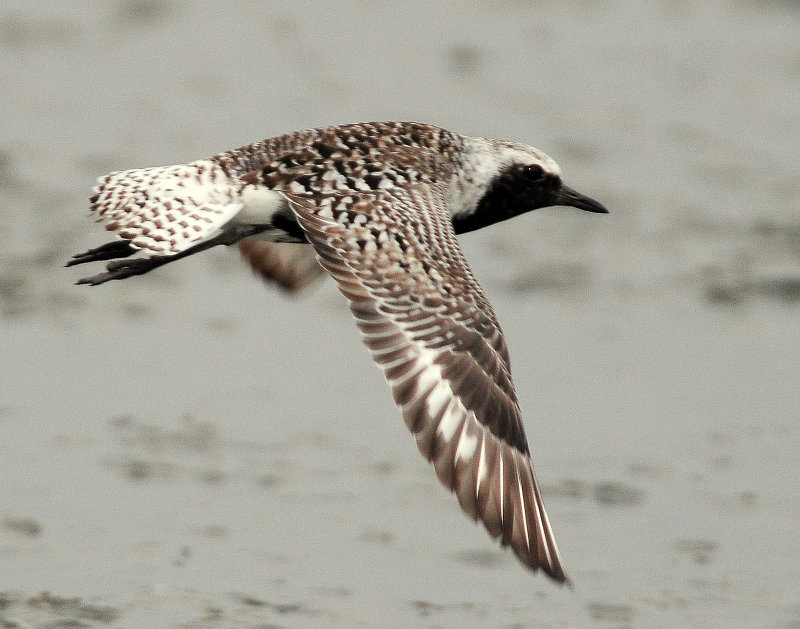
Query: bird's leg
[
  {"x": 121, "y": 269},
  {"x": 108, "y": 251}
]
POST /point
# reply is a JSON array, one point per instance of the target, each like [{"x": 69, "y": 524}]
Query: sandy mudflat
[{"x": 190, "y": 449}]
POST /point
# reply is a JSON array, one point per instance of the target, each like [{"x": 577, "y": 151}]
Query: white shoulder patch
[{"x": 479, "y": 167}]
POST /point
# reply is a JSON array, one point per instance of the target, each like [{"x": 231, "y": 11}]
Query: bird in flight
[{"x": 379, "y": 206}]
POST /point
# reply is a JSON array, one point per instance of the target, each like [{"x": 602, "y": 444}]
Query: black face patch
[
  {"x": 519, "y": 190},
  {"x": 532, "y": 172}
]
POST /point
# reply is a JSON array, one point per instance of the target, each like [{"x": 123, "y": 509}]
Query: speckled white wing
[
  {"x": 166, "y": 210},
  {"x": 431, "y": 330}
]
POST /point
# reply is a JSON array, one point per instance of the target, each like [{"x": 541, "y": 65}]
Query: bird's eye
[{"x": 533, "y": 171}]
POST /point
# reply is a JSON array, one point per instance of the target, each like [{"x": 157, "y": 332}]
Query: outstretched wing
[
  {"x": 292, "y": 266},
  {"x": 432, "y": 331}
]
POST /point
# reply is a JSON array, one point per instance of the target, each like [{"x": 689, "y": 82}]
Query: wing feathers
[
  {"x": 166, "y": 209},
  {"x": 446, "y": 363}
]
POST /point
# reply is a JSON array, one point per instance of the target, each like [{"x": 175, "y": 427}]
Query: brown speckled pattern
[{"x": 380, "y": 203}]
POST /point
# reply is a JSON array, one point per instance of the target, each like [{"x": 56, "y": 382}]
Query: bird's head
[{"x": 504, "y": 179}]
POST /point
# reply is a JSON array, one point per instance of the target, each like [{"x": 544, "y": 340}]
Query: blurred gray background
[{"x": 193, "y": 449}]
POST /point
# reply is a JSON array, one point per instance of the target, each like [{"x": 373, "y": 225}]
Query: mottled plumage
[{"x": 380, "y": 203}]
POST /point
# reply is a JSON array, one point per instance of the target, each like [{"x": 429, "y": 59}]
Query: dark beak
[{"x": 567, "y": 196}]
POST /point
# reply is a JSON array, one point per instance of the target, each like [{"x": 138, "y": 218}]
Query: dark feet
[
  {"x": 120, "y": 269},
  {"x": 108, "y": 251}
]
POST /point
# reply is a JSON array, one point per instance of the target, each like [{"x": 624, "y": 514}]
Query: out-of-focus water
[{"x": 190, "y": 449}]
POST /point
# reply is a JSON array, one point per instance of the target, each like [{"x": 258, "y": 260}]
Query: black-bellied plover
[{"x": 380, "y": 203}]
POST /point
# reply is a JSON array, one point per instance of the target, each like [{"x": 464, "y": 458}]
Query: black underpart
[
  {"x": 286, "y": 221},
  {"x": 108, "y": 251}
]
